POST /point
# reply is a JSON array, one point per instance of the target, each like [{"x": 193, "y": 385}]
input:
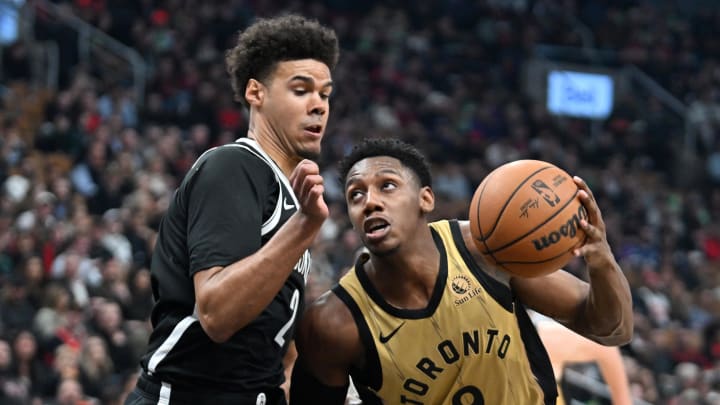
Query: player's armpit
[{"x": 306, "y": 389}]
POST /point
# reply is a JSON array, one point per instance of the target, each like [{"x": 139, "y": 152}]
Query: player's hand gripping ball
[{"x": 525, "y": 218}]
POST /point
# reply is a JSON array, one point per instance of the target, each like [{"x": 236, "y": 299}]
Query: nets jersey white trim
[{"x": 253, "y": 147}]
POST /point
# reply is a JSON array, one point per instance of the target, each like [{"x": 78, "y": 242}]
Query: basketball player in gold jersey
[{"x": 421, "y": 319}]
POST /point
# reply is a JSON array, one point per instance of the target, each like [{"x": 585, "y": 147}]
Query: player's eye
[
  {"x": 354, "y": 195},
  {"x": 389, "y": 185}
]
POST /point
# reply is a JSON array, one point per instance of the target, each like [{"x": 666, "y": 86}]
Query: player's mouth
[
  {"x": 313, "y": 130},
  {"x": 375, "y": 229}
]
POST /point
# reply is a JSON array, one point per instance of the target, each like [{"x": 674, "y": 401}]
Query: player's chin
[
  {"x": 310, "y": 149},
  {"x": 310, "y": 153},
  {"x": 380, "y": 248}
]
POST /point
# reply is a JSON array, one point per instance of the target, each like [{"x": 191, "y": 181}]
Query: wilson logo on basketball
[{"x": 566, "y": 230}]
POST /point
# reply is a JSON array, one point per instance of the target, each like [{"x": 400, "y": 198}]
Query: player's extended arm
[
  {"x": 328, "y": 344},
  {"x": 228, "y": 298},
  {"x": 602, "y": 310},
  {"x": 613, "y": 370},
  {"x": 565, "y": 346}
]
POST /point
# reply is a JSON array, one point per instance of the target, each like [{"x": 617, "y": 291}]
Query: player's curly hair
[
  {"x": 407, "y": 154},
  {"x": 271, "y": 40}
]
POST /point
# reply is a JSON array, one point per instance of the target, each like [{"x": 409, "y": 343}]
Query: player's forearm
[
  {"x": 235, "y": 295},
  {"x": 607, "y": 316}
]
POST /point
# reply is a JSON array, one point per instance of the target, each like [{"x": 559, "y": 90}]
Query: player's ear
[
  {"x": 427, "y": 200},
  {"x": 254, "y": 93}
]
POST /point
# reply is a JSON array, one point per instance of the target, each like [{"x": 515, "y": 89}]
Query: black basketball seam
[
  {"x": 479, "y": 223},
  {"x": 484, "y": 238},
  {"x": 540, "y": 225},
  {"x": 507, "y": 202},
  {"x": 546, "y": 260}
]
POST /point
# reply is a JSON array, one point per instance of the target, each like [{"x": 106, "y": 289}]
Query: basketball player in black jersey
[
  {"x": 421, "y": 319},
  {"x": 231, "y": 260}
]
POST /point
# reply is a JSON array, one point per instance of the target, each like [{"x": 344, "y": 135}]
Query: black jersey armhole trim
[
  {"x": 537, "y": 355},
  {"x": 496, "y": 289},
  {"x": 372, "y": 374},
  {"x": 434, "y": 301}
]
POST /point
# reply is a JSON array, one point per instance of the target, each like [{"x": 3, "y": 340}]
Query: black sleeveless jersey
[{"x": 230, "y": 203}]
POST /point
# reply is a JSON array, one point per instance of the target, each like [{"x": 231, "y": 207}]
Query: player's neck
[
  {"x": 407, "y": 278},
  {"x": 269, "y": 142}
]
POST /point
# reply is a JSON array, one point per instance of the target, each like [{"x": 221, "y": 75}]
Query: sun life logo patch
[{"x": 460, "y": 284}]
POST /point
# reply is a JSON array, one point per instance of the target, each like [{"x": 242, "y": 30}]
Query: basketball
[{"x": 525, "y": 217}]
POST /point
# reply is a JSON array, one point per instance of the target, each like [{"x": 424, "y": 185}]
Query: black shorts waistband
[{"x": 175, "y": 395}]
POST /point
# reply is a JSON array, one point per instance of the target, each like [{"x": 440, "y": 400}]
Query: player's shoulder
[
  {"x": 231, "y": 158},
  {"x": 328, "y": 324},
  {"x": 329, "y": 312},
  {"x": 239, "y": 152}
]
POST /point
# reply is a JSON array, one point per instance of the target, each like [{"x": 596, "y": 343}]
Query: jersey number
[
  {"x": 294, "y": 303},
  {"x": 466, "y": 393}
]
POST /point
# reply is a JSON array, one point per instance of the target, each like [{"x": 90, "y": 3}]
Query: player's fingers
[
  {"x": 302, "y": 170},
  {"x": 582, "y": 185},
  {"x": 316, "y": 192},
  {"x": 591, "y": 208},
  {"x": 307, "y": 185},
  {"x": 594, "y": 238},
  {"x": 593, "y": 232},
  {"x": 315, "y": 203}
]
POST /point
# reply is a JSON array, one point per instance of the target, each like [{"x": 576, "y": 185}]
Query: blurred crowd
[{"x": 87, "y": 177}]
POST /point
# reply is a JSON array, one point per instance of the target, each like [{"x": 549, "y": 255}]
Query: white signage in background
[
  {"x": 9, "y": 21},
  {"x": 585, "y": 95}
]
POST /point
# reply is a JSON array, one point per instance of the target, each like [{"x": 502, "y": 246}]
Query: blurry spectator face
[
  {"x": 96, "y": 155},
  {"x": 96, "y": 350},
  {"x": 69, "y": 392},
  {"x": 67, "y": 361},
  {"x": 142, "y": 280},
  {"x": 25, "y": 346},
  {"x": 112, "y": 270},
  {"x": 34, "y": 273},
  {"x": 200, "y": 135},
  {"x": 72, "y": 266},
  {"x": 5, "y": 355},
  {"x": 61, "y": 188},
  {"x": 26, "y": 244},
  {"x": 109, "y": 316},
  {"x": 83, "y": 224},
  {"x": 130, "y": 139}
]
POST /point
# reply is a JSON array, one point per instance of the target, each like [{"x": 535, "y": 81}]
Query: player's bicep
[{"x": 559, "y": 295}]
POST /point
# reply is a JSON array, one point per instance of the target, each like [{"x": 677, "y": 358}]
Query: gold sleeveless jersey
[{"x": 473, "y": 344}]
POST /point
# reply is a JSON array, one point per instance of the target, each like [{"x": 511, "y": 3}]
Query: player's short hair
[
  {"x": 407, "y": 154},
  {"x": 265, "y": 43}
]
